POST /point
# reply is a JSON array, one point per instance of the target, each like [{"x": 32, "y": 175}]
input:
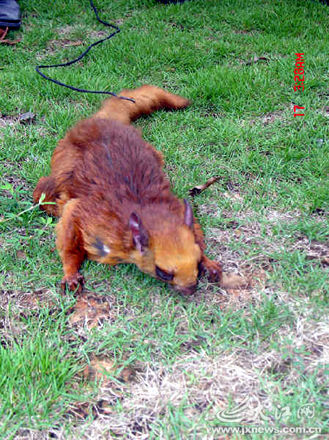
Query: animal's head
[{"x": 168, "y": 251}]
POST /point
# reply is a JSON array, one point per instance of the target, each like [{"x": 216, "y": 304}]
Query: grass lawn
[{"x": 130, "y": 358}]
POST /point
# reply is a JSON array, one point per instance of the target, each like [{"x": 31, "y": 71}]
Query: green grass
[
  {"x": 36, "y": 372},
  {"x": 267, "y": 217}
]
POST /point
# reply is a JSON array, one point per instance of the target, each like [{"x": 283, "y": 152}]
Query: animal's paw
[
  {"x": 212, "y": 269},
  {"x": 73, "y": 282}
]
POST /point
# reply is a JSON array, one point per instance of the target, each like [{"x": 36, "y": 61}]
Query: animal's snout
[{"x": 186, "y": 290}]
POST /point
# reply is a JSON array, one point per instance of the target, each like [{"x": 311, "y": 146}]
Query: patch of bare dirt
[
  {"x": 15, "y": 306},
  {"x": 67, "y": 29},
  {"x": 23, "y": 301},
  {"x": 256, "y": 59},
  {"x": 7, "y": 120},
  {"x": 246, "y": 32},
  {"x": 317, "y": 251},
  {"x": 113, "y": 380},
  {"x": 91, "y": 310},
  {"x": 63, "y": 42},
  {"x": 17, "y": 182},
  {"x": 97, "y": 35},
  {"x": 25, "y": 118},
  {"x": 269, "y": 118},
  {"x": 237, "y": 258},
  {"x": 103, "y": 369},
  {"x": 246, "y": 246},
  {"x": 253, "y": 241}
]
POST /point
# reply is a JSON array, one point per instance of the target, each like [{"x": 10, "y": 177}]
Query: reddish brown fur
[{"x": 114, "y": 200}]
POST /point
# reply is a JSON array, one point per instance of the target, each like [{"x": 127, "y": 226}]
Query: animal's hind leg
[
  {"x": 47, "y": 186},
  {"x": 70, "y": 247}
]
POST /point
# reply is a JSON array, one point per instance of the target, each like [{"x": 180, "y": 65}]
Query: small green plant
[{"x": 41, "y": 202}]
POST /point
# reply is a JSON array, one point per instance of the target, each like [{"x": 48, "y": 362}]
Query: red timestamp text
[{"x": 299, "y": 79}]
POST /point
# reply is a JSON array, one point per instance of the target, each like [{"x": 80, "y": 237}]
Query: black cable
[{"x": 117, "y": 30}]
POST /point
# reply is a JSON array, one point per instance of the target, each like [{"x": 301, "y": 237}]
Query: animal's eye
[{"x": 165, "y": 276}]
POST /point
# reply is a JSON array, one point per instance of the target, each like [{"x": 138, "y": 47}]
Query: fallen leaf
[
  {"x": 89, "y": 310},
  {"x": 198, "y": 189}
]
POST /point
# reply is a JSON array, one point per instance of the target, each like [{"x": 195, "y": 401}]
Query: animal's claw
[{"x": 74, "y": 283}]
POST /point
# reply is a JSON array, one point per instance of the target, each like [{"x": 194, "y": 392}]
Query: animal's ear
[
  {"x": 188, "y": 215},
  {"x": 139, "y": 233}
]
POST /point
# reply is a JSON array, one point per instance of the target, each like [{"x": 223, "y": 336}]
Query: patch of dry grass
[{"x": 204, "y": 386}]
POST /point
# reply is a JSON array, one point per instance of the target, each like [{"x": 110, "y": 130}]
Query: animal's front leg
[
  {"x": 70, "y": 247},
  {"x": 213, "y": 269}
]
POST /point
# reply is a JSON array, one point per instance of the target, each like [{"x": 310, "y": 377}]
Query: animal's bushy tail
[{"x": 147, "y": 100}]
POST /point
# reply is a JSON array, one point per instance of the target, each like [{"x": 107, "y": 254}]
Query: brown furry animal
[{"x": 114, "y": 200}]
